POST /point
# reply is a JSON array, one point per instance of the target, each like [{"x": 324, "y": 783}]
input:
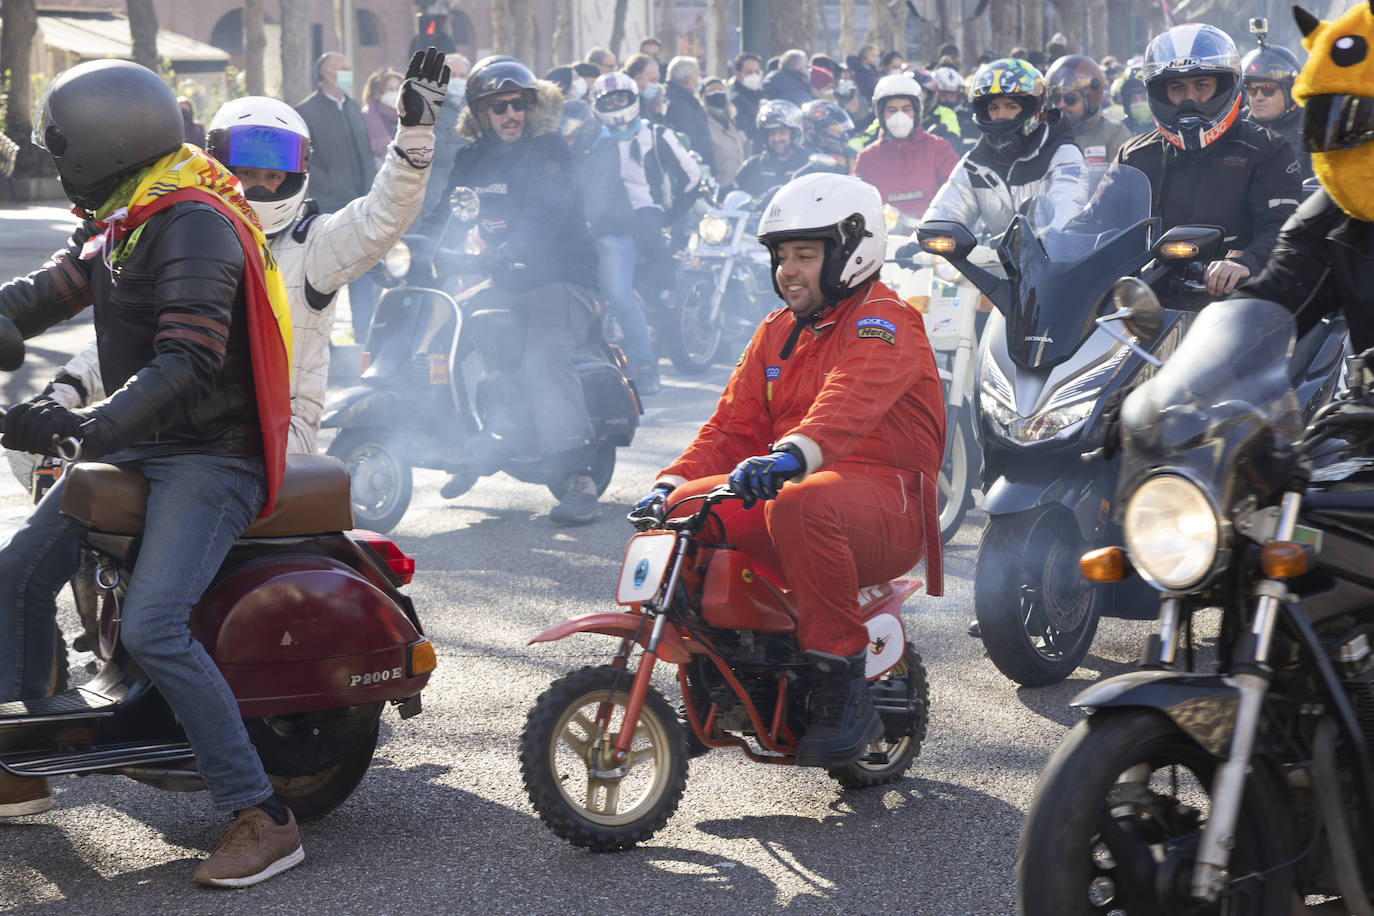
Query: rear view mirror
[
  {"x": 949, "y": 240},
  {"x": 1138, "y": 308},
  {"x": 465, "y": 204},
  {"x": 1189, "y": 243},
  {"x": 11, "y": 346}
]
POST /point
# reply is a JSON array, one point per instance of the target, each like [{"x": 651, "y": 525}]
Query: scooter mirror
[
  {"x": 465, "y": 204},
  {"x": 11, "y": 346},
  {"x": 950, "y": 240},
  {"x": 1138, "y": 308}
]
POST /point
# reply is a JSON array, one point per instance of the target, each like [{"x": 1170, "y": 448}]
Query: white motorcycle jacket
[
  {"x": 1048, "y": 178},
  {"x": 318, "y": 255}
]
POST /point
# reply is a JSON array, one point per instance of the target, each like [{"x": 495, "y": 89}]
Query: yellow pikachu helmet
[{"x": 1336, "y": 86}]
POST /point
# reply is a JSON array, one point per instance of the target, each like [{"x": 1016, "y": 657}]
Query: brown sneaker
[
  {"x": 23, "y": 795},
  {"x": 253, "y": 849}
]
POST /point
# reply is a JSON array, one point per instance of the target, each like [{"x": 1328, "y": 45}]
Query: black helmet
[
  {"x": 1271, "y": 64},
  {"x": 579, "y": 127},
  {"x": 493, "y": 76},
  {"x": 102, "y": 120}
]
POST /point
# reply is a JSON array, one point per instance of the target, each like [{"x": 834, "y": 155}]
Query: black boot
[{"x": 843, "y": 722}]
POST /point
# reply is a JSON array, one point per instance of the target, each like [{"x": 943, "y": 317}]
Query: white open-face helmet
[
  {"x": 844, "y": 212},
  {"x": 615, "y": 99},
  {"x": 258, "y": 132},
  {"x": 899, "y": 85},
  {"x": 947, "y": 79}
]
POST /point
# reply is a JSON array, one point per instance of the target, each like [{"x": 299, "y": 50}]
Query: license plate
[{"x": 646, "y": 560}]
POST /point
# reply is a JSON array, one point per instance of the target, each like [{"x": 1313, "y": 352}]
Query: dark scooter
[
  {"x": 305, "y": 620},
  {"x": 1049, "y": 366},
  {"x": 438, "y": 381}
]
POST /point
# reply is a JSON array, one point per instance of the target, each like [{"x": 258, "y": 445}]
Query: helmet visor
[
  {"x": 260, "y": 147},
  {"x": 46, "y": 135},
  {"x": 1333, "y": 122}
]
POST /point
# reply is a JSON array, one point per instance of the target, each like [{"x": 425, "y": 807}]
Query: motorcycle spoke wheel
[
  {"x": 1116, "y": 821},
  {"x": 693, "y": 340},
  {"x": 904, "y": 730},
  {"x": 573, "y": 780}
]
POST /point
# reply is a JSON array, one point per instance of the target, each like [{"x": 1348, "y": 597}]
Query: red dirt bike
[{"x": 604, "y": 756}]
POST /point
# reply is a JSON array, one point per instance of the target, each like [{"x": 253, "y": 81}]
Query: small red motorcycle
[
  {"x": 603, "y": 754},
  {"x": 305, "y": 619}
]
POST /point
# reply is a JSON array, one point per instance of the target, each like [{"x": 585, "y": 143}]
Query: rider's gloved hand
[
  {"x": 32, "y": 426},
  {"x": 1111, "y": 422},
  {"x": 652, "y": 505},
  {"x": 424, "y": 89},
  {"x": 762, "y": 476},
  {"x": 908, "y": 250}
]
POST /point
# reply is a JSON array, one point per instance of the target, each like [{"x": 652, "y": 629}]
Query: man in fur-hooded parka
[{"x": 531, "y": 205}]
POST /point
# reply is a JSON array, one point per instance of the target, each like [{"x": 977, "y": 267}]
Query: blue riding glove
[
  {"x": 762, "y": 476},
  {"x": 651, "y": 507}
]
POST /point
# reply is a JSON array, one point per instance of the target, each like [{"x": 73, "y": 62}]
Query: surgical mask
[
  {"x": 344, "y": 80},
  {"x": 389, "y": 98},
  {"x": 899, "y": 124},
  {"x": 458, "y": 94},
  {"x": 844, "y": 88},
  {"x": 651, "y": 93},
  {"x": 753, "y": 81},
  {"x": 578, "y": 89},
  {"x": 1140, "y": 112}
]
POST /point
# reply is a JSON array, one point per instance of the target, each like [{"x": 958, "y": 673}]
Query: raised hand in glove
[
  {"x": 38, "y": 425},
  {"x": 762, "y": 476},
  {"x": 908, "y": 250},
  {"x": 651, "y": 506},
  {"x": 424, "y": 88}
]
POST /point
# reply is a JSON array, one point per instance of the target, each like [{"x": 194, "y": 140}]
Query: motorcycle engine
[{"x": 1354, "y": 658}]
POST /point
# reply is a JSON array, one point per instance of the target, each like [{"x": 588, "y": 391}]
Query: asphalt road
[{"x": 441, "y": 822}]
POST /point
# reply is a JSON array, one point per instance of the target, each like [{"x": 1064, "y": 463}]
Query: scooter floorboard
[
  {"x": 94, "y": 759},
  {"x": 77, "y": 703}
]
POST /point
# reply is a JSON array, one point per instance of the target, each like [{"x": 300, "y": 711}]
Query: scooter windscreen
[{"x": 1060, "y": 276}]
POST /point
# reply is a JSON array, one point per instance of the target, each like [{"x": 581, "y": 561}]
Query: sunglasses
[
  {"x": 499, "y": 108},
  {"x": 1264, "y": 89},
  {"x": 1068, "y": 98}
]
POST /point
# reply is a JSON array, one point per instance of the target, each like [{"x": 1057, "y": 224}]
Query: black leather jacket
[
  {"x": 172, "y": 333},
  {"x": 1323, "y": 262}
]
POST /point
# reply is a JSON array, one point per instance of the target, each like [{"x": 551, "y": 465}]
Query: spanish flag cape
[{"x": 189, "y": 174}]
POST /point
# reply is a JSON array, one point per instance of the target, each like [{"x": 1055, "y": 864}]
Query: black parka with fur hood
[{"x": 531, "y": 204}]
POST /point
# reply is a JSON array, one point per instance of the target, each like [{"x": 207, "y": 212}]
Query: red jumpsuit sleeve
[
  {"x": 879, "y": 362},
  {"x": 738, "y": 428}
]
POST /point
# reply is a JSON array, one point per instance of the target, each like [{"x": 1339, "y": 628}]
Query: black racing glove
[
  {"x": 38, "y": 425},
  {"x": 1111, "y": 422},
  {"x": 424, "y": 89},
  {"x": 908, "y": 250}
]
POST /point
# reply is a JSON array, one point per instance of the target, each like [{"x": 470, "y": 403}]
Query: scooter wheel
[
  {"x": 903, "y": 699},
  {"x": 577, "y": 788},
  {"x": 957, "y": 473},
  {"x": 380, "y": 475}
]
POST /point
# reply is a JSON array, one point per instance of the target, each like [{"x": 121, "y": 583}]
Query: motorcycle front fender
[
  {"x": 625, "y": 625},
  {"x": 1202, "y": 706},
  {"x": 364, "y": 405},
  {"x": 1086, "y": 498}
]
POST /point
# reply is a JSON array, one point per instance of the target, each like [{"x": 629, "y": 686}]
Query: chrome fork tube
[
  {"x": 1228, "y": 787},
  {"x": 659, "y": 619},
  {"x": 1169, "y": 612}
]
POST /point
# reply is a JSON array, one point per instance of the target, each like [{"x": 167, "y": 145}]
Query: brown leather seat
[{"x": 313, "y": 499}]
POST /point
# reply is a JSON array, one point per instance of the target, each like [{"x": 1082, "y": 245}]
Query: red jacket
[
  {"x": 859, "y": 387},
  {"x": 908, "y": 172}
]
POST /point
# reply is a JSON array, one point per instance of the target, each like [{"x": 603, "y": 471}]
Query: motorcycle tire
[
  {"x": 1117, "y": 816},
  {"x": 559, "y": 743},
  {"x": 890, "y": 756},
  {"x": 603, "y": 468},
  {"x": 691, "y": 341},
  {"x": 380, "y": 474},
  {"x": 315, "y": 760},
  {"x": 1037, "y": 614},
  {"x": 958, "y": 471}
]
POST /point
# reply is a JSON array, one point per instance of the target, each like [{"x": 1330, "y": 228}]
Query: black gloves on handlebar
[
  {"x": 1111, "y": 422},
  {"x": 908, "y": 250},
  {"x": 38, "y": 425}
]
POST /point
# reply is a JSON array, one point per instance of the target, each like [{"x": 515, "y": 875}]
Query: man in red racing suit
[{"x": 838, "y": 395}]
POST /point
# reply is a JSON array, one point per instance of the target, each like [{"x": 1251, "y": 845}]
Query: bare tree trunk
[
  {"x": 848, "y": 43},
  {"x": 1002, "y": 24},
  {"x": 666, "y": 26},
  {"x": 618, "y": 27},
  {"x": 521, "y": 25},
  {"x": 1032, "y": 24},
  {"x": 882, "y": 30},
  {"x": 1095, "y": 37},
  {"x": 254, "y": 45},
  {"x": 789, "y": 26},
  {"x": 143, "y": 28},
  {"x": 717, "y": 38},
  {"x": 500, "y": 28},
  {"x": 16, "y": 42},
  {"x": 563, "y": 38},
  {"x": 297, "y": 79}
]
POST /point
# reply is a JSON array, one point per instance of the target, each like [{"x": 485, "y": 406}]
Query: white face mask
[
  {"x": 753, "y": 81},
  {"x": 389, "y": 98},
  {"x": 578, "y": 89},
  {"x": 899, "y": 124}
]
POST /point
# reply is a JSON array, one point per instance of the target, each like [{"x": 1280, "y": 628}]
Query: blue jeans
[
  {"x": 198, "y": 505},
  {"x": 616, "y": 274}
]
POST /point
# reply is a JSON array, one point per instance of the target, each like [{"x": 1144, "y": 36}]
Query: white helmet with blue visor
[{"x": 261, "y": 133}]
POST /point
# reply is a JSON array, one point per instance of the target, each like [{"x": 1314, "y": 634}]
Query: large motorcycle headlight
[
  {"x": 713, "y": 229},
  {"x": 1171, "y": 532},
  {"x": 397, "y": 261}
]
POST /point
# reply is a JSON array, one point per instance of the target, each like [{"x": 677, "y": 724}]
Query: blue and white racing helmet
[
  {"x": 1191, "y": 50},
  {"x": 263, "y": 133}
]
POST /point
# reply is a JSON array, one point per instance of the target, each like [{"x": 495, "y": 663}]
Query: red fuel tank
[{"x": 735, "y": 597}]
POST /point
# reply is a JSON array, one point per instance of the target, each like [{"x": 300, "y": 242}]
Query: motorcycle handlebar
[{"x": 690, "y": 523}]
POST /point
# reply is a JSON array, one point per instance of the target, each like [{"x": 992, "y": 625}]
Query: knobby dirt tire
[{"x": 891, "y": 756}]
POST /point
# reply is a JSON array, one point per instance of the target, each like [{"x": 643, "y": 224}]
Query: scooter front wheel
[
  {"x": 955, "y": 483},
  {"x": 380, "y": 475},
  {"x": 576, "y": 786}
]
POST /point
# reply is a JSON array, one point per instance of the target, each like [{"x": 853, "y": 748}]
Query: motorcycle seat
[{"x": 313, "y": 499}]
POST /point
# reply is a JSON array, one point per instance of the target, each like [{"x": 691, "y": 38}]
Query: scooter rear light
[
  {"x": 420, "y": 658},
  {"x": 400, "y": 564},
  {"x": 365, "y": 361},
  {"x": 621, "y": 362}
]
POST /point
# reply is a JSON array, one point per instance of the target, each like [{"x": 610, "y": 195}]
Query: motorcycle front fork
[{"x": 1251, "y": 674}]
